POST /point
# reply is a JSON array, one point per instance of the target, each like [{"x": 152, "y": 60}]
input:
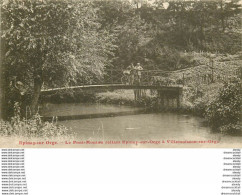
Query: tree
[
  {"x": 131, "y": 33},
  {"x": 52, "y": 43}
]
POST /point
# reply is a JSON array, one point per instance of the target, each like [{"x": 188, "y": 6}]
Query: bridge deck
[{"x": 115, "y": 86}]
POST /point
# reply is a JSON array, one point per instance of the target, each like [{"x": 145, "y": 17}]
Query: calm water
[
  {"x": 155, "y": 126},
  {"x": 66, "y": 109}
]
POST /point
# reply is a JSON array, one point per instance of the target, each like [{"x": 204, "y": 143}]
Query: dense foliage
[
  {"x": 224, "y": 111},
  {"x": 49, "y": 44},
  {"x": 158, "y": 35}
]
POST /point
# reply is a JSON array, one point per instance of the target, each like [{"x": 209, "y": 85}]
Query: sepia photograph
[{"x": 120, "y": 73}]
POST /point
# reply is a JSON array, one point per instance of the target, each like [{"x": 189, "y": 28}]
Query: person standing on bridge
[
  {"x": 132, "y": 74},
  {"x": 138, "y": 68},
  {"x": 128, "y": 75}
]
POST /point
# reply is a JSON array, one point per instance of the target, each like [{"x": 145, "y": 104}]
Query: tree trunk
[
  {"x": 38, "y": 81},
  {"x": 223, "y": 25},
  {"x": 3, "y": 100},
  {"x": 222, "y": 15},
  {"x": 36, "y": 95},
  {"x": 3, "y": 83}
]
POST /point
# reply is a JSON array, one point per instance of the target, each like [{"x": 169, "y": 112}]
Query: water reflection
[{"x": 153, "y": 126}]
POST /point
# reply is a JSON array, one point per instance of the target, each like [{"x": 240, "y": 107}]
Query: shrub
[
  {"x": 33, "y": 127},
  {"x": 223, "y": 113}
]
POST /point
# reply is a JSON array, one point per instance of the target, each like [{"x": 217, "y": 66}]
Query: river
[{"x": 133, "y": 126}]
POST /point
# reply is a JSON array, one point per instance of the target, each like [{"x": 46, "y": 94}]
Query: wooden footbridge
[
  {"x": 113, "y": 87},
  {"x": 165, "y": 93},
  {"x": 113, "y": 80}
]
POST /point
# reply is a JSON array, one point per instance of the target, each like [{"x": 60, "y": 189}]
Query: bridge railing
[{"x": 114, "y": 76}]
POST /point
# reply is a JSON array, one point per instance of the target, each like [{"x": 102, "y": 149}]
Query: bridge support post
[
  {"x": 166, "y": 102},
  {"x": 161, "y": 99},
  {"x": 179, "y": 98},
  {"x": 111, "y": 76},
  {"x": 183, "y": 79}
]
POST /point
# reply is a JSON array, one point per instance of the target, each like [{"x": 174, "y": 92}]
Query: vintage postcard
[{"x": 120, "y": 74}]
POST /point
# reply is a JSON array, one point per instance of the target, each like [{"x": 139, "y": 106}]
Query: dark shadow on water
[{"x": 99, "y": 115}]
